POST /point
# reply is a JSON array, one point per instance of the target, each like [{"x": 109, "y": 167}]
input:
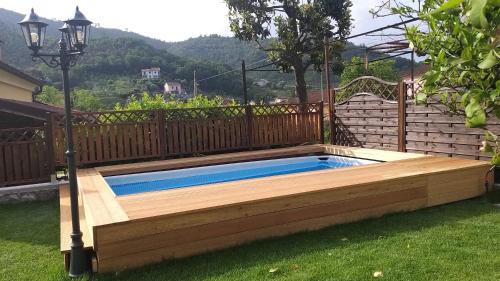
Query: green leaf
[
  {"x": 447, "y": 6},
  {"x": 489, "y": 61},
  {"x": 495, "y": 160},
  {"x": 476, "y": 116},
  {"x": 477, "y": 16},
  {"x": 421, "y": 98},
  {"x": 495, "y": 3}
]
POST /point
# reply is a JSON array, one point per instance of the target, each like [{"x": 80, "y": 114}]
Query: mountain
[
  {"x": 113, "y": 61},
  {"x": 230, "y": 51},
  {"x": 18, "y": 55},
  {"x": 111, "y": 67}
]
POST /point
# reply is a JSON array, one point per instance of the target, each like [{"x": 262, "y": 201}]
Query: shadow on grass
[{"x": 271, "y": 251}]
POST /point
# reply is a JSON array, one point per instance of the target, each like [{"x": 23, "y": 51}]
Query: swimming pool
[{"x": 163, "y": 180}]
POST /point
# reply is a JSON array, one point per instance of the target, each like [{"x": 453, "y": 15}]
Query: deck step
[{"x": 66, "y": 221}]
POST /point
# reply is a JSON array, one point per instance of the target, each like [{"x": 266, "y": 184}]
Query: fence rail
[{"x": 102, "y": 137}]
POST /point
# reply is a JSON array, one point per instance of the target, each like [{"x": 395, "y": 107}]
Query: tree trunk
[{"x": 300, "y": 82}]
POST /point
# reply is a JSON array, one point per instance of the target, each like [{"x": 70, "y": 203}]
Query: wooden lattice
[
  {"x": 22, "y": 134},
  {"x": 368, "y": 84},
  {"x": 203, "y": 113},
  {"x": 285, "y": 109},
  {"x": 112, "y": 117}
]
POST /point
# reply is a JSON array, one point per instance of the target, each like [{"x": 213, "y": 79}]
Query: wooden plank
[
  {"x": 91, "y": 143},
  {"x": 113, "y": 147},
  {"x": 100, "y": 206},
  {"x": 25, "y": 159},
  {"x": 120, "y": 141},
  {"x": 18, "y": 175},
  {"x": 32, "y": 160},
  {"x": 3, "y": 177},
  {"x": 82, "y": 139},
  {"x": 140, "y": 139},
  {"x": 65, "y": 221},
  {"x": 127, "y": 147},
  {"x": 106, "y": 135},
  {"x": 248, "y": 223},
  {"x": 139, "y": 259},
  {"x": 253, "y": 208}
]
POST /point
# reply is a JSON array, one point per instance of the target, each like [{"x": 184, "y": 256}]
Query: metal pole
[
  {"x": 78, "y": 263},
  {"x": 328, "y": 87},
  {"x": 244, "y": 80}
]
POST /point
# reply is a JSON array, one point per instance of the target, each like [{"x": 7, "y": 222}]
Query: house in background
[
  {"x": 17, "y": 85},
  {"x": 18, "y": 107},
  {"x": 172, "y": 87},
  {"x": 151, "y": 73}
]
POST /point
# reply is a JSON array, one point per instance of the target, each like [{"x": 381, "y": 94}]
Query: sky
[{"x": 171, "y": 20}]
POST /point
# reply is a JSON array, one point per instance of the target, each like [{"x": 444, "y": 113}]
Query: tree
[
  {"x": 149, "y": 102},
  {"x": 383, "y": 69},
  {"x": 462, "y": 45},
  {"x": 299, "y": 31},
  {"x": 85, "y": 100},
  {"x": 50, "y": 95}
]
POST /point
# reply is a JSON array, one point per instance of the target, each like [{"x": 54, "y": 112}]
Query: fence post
[
  {"x": 249, "y": 120},
  {"x": 402, "y": 117},
  {"x": 331, "y": 118},
  {"x": 162, "y": 130},
  {"x": 49, "y": 142},
  {"x": 322, "y": 122}
]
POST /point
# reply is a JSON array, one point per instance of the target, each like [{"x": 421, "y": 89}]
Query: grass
[{"x": 459, "y": 241}]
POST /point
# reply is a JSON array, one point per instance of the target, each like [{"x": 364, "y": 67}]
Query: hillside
[
  {"x": 114, "y": 59},
  {"x": 111, "y": 67},
  {"x": 17, "y": 54},
  {"x": 231, "y": 51}
]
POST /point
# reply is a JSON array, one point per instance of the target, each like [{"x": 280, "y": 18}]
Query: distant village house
[
  {"x": 172, "y": 88},
  {"x": 151, "y": 73}
]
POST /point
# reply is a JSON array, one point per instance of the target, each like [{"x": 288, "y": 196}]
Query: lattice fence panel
[
  {"x": 368, "y": 84},
  {"x": 108, "y": 118},
  {"x": 204, "y": 113}
]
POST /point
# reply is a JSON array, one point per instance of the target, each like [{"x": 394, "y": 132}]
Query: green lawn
[{"x": 459, "y": 241}]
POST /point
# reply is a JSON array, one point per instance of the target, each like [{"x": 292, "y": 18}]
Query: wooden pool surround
[{"x": 133, "y": 230}]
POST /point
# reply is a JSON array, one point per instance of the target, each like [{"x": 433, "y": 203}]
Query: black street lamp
[{"x": 74, "y": 38}]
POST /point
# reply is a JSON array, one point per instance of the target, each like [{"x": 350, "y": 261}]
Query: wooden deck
[{"x": 133, "y": 230}]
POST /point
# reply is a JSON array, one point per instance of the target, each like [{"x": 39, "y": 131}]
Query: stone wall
[{"x": 27, "y": 193}]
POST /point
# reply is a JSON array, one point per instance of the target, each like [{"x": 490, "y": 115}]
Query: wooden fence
[
  {"x": 132, "y": 135},
  {"x": 373, "y": 113},
  {"x": 24, "y": 157}
]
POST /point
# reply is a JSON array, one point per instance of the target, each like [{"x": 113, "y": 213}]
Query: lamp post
[{"x": 74, "y": 38}]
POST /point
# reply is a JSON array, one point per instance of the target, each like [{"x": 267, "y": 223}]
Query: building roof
[
  {"x": 20, "y": 74},
  {"x": 151, "y": 69},
  {"x": 172, "y": 83},
  {"x": 36, "y": 110}
]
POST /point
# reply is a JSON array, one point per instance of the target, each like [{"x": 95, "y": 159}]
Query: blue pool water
[{"x": 162, "y": 180}]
